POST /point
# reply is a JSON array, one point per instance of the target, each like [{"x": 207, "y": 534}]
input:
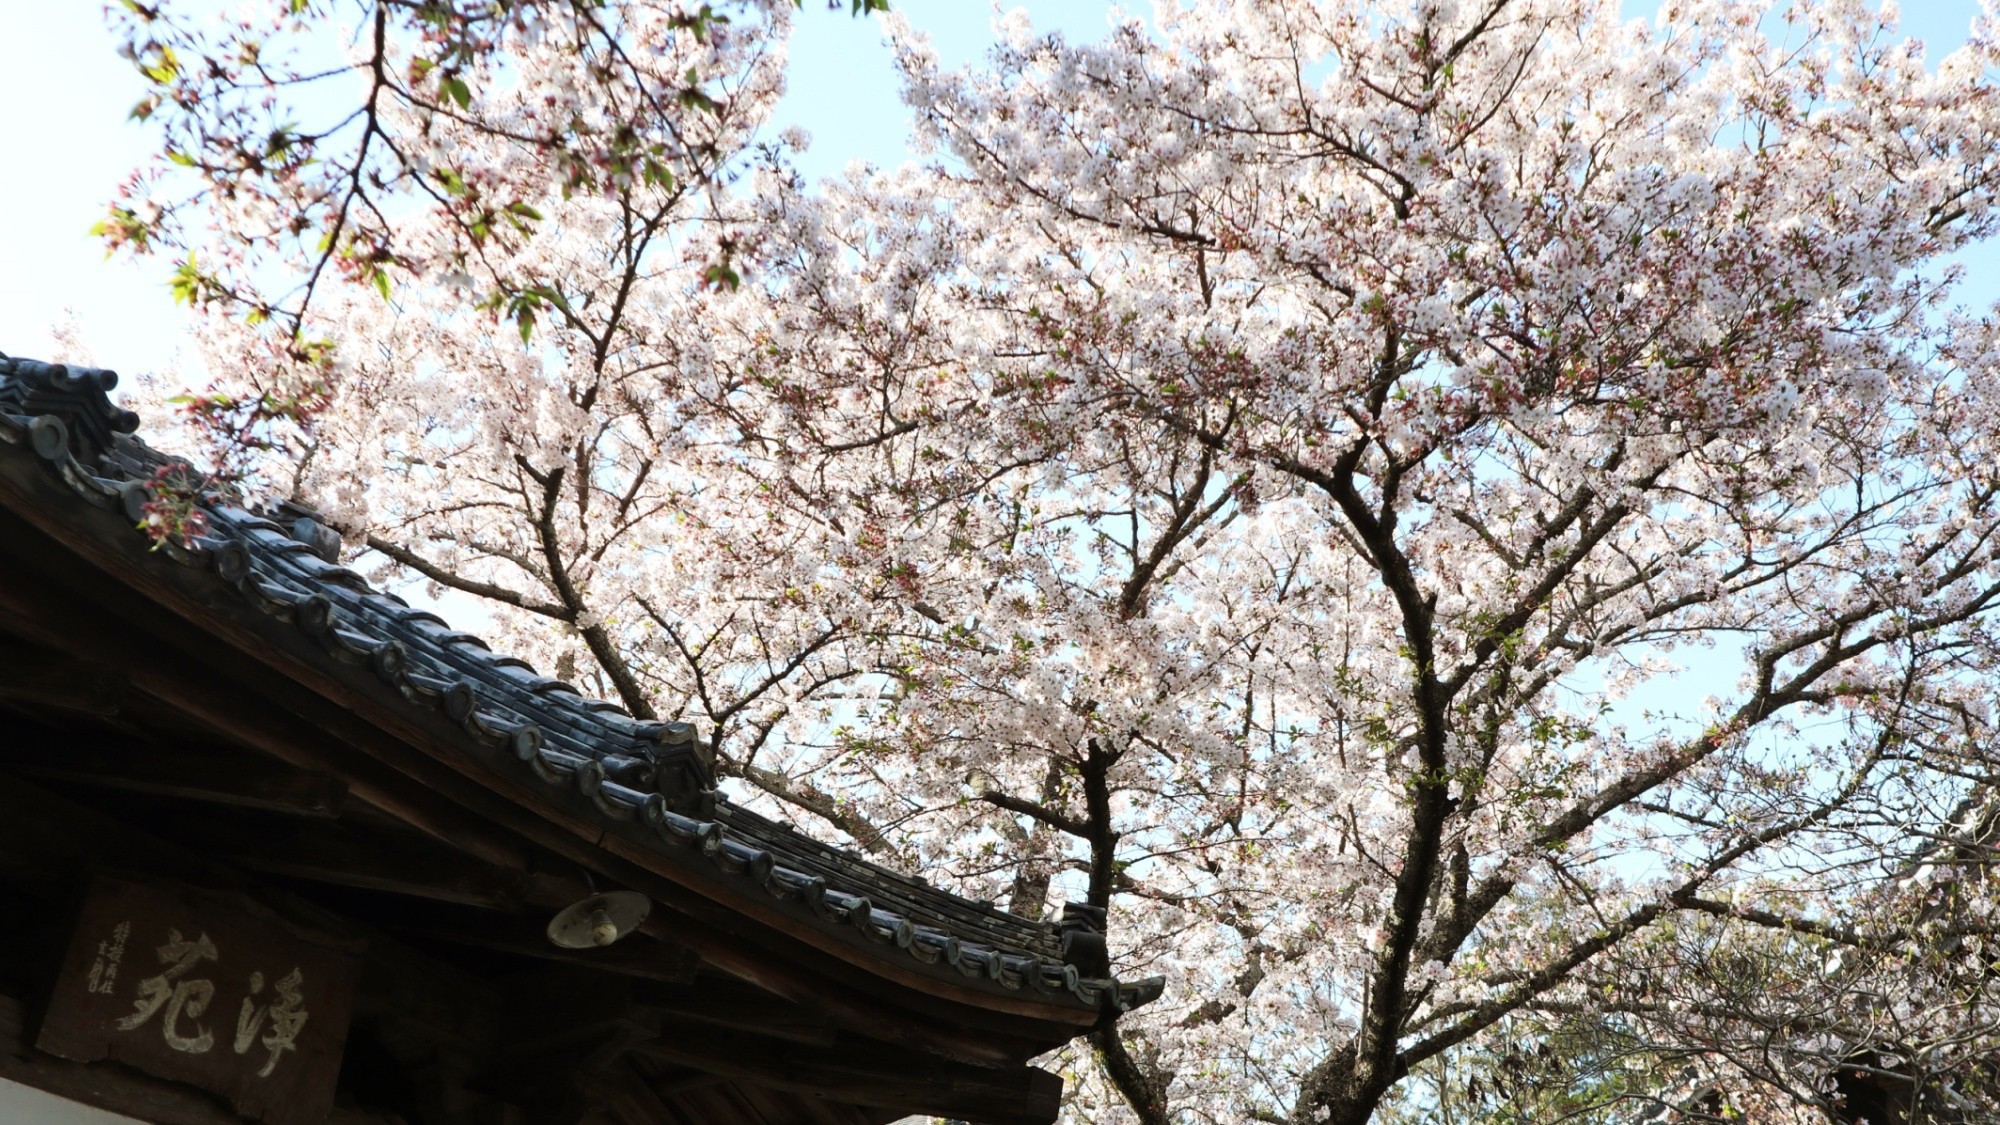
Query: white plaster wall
[{"x": 25, "y": 1105}]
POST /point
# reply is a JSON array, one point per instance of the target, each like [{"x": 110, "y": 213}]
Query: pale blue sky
[{"x": 65, "y": 144}]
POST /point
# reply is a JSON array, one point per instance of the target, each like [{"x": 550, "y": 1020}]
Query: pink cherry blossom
[{"x": 1291, "y": 475}]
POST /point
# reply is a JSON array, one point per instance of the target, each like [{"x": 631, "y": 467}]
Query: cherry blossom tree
[{"x": 1451, "y": 519}]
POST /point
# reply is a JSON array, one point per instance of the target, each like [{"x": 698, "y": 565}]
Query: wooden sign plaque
[{"x": 208, "y": 989}]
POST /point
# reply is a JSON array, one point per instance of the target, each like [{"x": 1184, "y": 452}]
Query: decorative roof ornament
[
  {"x": 309, "y": 527},
  {"x": 71, "y": 406},
  {"x": 1082, "y": 943}
]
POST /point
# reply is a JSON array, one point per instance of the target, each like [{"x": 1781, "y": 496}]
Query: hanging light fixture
[{"x": 599, "y": 920}]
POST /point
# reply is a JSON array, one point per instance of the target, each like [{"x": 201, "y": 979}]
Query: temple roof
[{"x": 646, "y": 784}]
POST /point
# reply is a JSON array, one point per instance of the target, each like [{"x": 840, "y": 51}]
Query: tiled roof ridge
[{"x": 631, "y": 770}]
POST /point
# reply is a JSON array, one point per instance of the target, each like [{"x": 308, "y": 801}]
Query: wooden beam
[
  {"x": 402, "y": 863},
  {"x": 180, "y": 683},
  {"x": 192, "y": 773},
  {"x": 527, "y": 936},
  {"x": 46, "y": 680},
  {"x": 566, "y": 1029},
  {"x": 728, "y": 1003},
  {"x": 867, "y": 1074},
  {"x": 107, "y": 1085},
  {"x": 681, "y": 1081},
  {"x": 633, "y": 1100},
  {"x": 48, "y": 841}
]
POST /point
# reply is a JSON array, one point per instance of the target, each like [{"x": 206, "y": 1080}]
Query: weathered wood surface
[
  {"x": 420, "y": 1005},
  {"x": 862, "y": 1076},
  {"x": 107, "y": 1086},
  {"x": 403, "y": 863},
  {"x": 194, "y": 773},
  {"x": 206, "y": 989},
  {"x": 221, "y": 700},
  {"x": 729, "y": 1004},
  {"x": 527, "y": 936},
  {"x": 47, "y": 841},
  {"x": 44, "y": 680},
  {"x": 119, "y": 1089}
]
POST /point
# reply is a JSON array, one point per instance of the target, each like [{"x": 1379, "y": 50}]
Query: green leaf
[
  {"x": 123, "y": 225},
  {"x": 698, "y": 22},
  {"x": 381, "y": 279},
  {"x": 186, "y": 283},
  {"x": 459, "y": 92},
  {"x": 694, "y": 97},
  {"x": 519, "y": 208},
  {"x": 551, "y": 295},
  {"x": 164, "y": 68},
  {"x": 860, "y": 7},
  {"x": 525, "y": 320}
]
